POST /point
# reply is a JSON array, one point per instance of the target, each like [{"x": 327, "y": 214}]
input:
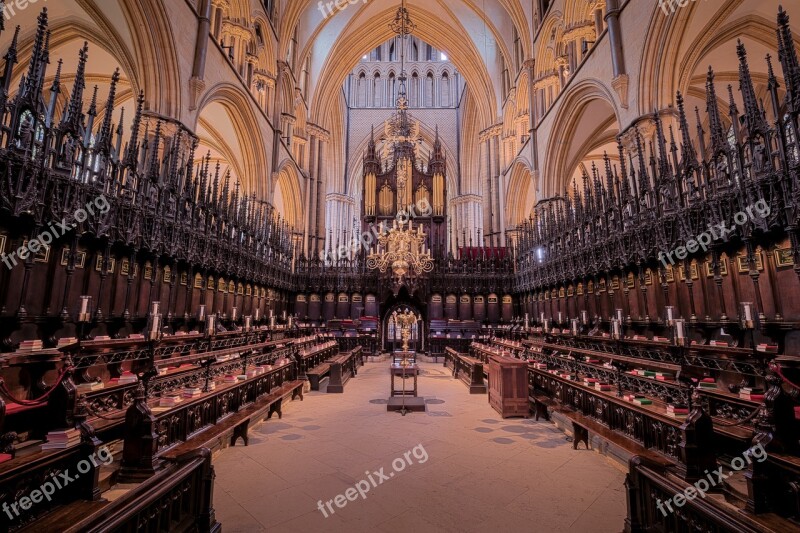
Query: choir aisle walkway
[{"x": 468, "y": 470}]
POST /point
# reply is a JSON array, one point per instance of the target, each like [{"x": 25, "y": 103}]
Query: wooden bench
[
  {"x": 316, "y": 374},
  {"x": 178, "y": 497},
  {"x": 582, "y": 425},
  {"x": 237, "y": 424},
  {"x": 540, "y": 405},
  {"x": 471, "y": 372},
  {"x": 468, "y": 369},
  {"x": 343, "y": 367}
]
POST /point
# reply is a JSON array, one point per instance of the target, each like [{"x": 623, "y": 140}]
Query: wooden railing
[{"x": 179, "y": 498}]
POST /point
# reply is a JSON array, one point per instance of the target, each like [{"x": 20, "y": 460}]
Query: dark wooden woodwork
[
  {"x": 508, "y": 386},
  {"x": 467, "y": 369},
  {"x": 343, "y": 368}
]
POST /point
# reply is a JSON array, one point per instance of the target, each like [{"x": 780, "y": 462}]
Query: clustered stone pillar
[
  {"x": 493, "y": 193},
  {"x": 620, "y": 81},
  {"x": 313, "y": 228}
]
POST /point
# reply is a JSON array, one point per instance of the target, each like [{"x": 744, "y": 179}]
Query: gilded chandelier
[{"x": 402, "y": 252}]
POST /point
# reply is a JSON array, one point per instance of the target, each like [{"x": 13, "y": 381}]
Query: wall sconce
[
  {"x": 211, "y": 325},
  {"x": 680, "y": 332},
  {"x": 154, "y": 322},
  {"x": 669, "y": 315},
  {"x": 746, "y": 315},
  {"x": 84, "y": 315}
]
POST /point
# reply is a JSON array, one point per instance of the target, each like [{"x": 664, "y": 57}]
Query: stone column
[
  {"x": 320, "y": 177},
  {"x": 620, "y": 81}
]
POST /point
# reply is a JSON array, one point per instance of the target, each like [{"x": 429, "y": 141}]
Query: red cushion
[
  {"x": 5, "y": 457},
  {"x": 12, "y": 408}
]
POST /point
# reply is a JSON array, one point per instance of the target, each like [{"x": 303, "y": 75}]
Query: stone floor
[{"x": 468, "y": 470}]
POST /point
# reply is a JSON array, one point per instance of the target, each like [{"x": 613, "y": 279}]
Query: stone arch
[
  {"x": 677, "y": 52},
  {"x": 587, "y": 122},
  {"x": 520, "y": 195},
  {"x": 287, "y": 199},
  {"x": 226, "y": 124},
  {"x": 156, "y": 52}
]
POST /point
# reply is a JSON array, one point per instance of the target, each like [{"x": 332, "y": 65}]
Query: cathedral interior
[{"x": 569, "y": 230}]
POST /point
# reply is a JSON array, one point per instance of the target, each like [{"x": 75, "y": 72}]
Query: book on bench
[
  {"x": 59, "y": 440},
  {"x": 191, "y": 392},
  {"x": 170, "y": 401},
  {"x": 89, "y": 387}
]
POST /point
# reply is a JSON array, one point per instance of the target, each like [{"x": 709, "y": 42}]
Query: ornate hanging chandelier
[
  {"x": 402, "y": 252},
  {"x": 400, "y": 128}
]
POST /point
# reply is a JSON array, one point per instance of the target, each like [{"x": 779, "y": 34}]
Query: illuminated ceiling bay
[{"x": 474, "y": 35}]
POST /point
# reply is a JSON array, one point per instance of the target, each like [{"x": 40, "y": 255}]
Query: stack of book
[
  {"x": 589, "y": 381},
  {"x": 59, "y": 440},
  {"x": 241, "y": 377},
  {"x": 191, "y": 392},
  {"x": 769, "y": 348},
  {"x": 540, "y": 366},
  {"x": 640, "y": 338},
  {"x": 707, "y": 383},
  {"x": 127, "y": 378},
  {"x": 644, "y": 373},
  {"x": 260, "y": 370},
  {"x": 136, "y": 337},
  {"x": 591, "y": 360},
  {"x": 754, "y": 394},
  {"x": 89, "y": 387},
  {"x": 718, "y": 343},
  {"x": 102, "y": 338},
  {"x": 170, "y": 401},
  {"x": 251, "y": 373},
  {"x": 677, "y": 410},
  {"x": 660, "y": 339},
  {"x": 603, "y": 387},
  {"x": 639, "y": 400},
  {"x": 30, "y": 346},
  {"x": 229, "y": 379},
  {"x": 665, "y": 376}
]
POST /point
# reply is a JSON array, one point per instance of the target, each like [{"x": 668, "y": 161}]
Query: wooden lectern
[{"x": 508, "y": 386}]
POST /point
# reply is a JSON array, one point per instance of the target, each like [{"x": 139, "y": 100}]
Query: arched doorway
[{"x": 391, "y": 339}]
